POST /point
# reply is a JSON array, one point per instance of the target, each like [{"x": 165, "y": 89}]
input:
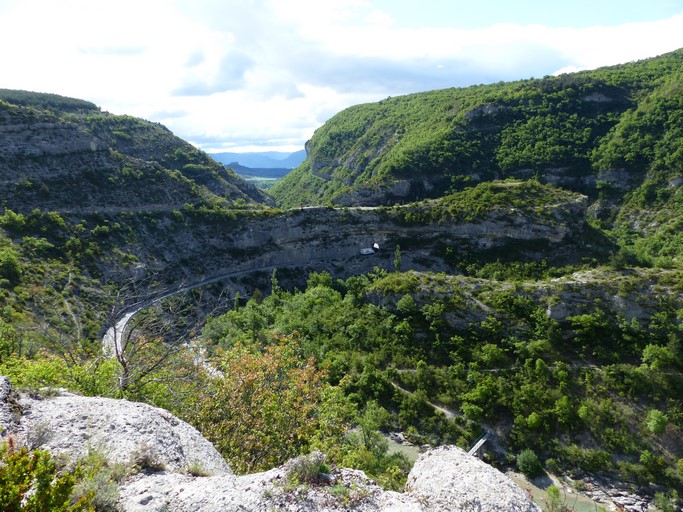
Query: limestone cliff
[
  {"x": 322, "y": 238},
  {"x": 97, "y": 161}
]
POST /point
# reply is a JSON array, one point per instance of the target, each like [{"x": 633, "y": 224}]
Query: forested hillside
[
  {"x": 613, "y": 134},
  {"x": 521, "y": 276}
]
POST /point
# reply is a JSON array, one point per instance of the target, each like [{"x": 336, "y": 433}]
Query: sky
[{"x": 259, "y": 75}]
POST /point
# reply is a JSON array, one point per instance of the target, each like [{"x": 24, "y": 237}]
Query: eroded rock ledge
[{"x": 444, "y": 479}]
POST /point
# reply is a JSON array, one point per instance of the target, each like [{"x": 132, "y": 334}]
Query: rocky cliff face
[
  {"x": 330, "y": 239},
  {"x": 445, "y": 479},
  {"x": 39, "y": 134},
  {"x": 93, "y": 163}
]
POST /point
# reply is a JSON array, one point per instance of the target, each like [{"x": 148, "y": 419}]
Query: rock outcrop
[
  {"x": 320, "y": 238},
  {"x": 265, "y": 491},
  {"x": 450, "y": 481},
  {"x": 443, "y": 479},
  {"x": 10, "y": 410},
  {"x": 71, "y": 424}
]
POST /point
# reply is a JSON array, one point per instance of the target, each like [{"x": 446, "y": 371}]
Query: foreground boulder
[
  {"x": 123, "y": 431},
  {"x": 443, "y": 479},
  {"x": 268, "y": 491},
  {"x": 450, "y": 480}
]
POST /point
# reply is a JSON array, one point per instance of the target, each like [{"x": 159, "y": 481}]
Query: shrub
[
  {"x": 666, "y": 502},
  {"x": 40, "y": 434},
  {"x": 196, "y": 469},
  {"x": 656, "y": 421},
  {"x": 308, "y": 469},
  {"x": 29, "y": 482},
  {"x": 553, "y": 466},
  {"x": 265, "y": 409},
  {"x": 591, "y": 461},
  {"x": 555, "y": 502},
  {"x": 121, "y": 135},
  {"x": 100, "y": 480},
  {"x": 144, "y": 457},
  {"x": 528, "y": 463},
  {"x": 10, "y": 269},
  {"x": 101, "y": 490}
]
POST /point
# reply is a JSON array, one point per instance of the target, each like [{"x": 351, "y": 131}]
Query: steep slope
[
  {"x": 93, "y": 202},
  {"x": 589, "y": 132},
  {"x": 75, "y": 156}
]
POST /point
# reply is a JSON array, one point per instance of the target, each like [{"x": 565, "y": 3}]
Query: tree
[
  {"x": 397, "y": 258},
  {"x": 666, "y": 502},
  {"x": 152, "y": 342},
  {"x": 264, "y": 408},
  {"x": 657, "y": 356},
  {"x": 656, "y": 421},
  {"x": 406, "y": 305},
  {"x": 528, "y": 463},
  {"x": 425, "y": 377},
  {"x": 274, "y": 283}
]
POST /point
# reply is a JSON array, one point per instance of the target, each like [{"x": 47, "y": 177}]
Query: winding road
[{"x": 113, "y": 337}]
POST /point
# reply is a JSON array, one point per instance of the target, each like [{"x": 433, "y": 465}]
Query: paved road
[{"x": 112, "y": 339}]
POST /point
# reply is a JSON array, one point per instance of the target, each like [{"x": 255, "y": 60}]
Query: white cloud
[{"x": 230, "y": 74}]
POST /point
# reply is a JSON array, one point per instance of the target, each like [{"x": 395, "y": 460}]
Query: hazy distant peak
[{"x": 263, "y": 160}]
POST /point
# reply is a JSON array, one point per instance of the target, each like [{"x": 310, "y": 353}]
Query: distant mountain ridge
[
  {"x": 263, "y": 160},
  {"x": 258, "y": 172}
]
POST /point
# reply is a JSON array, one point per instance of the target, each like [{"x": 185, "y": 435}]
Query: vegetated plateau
[{"x": 528, "y": 279}]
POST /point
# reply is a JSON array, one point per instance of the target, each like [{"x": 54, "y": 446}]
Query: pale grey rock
[
  {"x": 10, "y": 410},
  {"x": 74, "y": 424},
  {"x": 481, "y": 111},
  {"x": 620, "y": 179},
  {"x": 265, "y": 491},
  {"x": 443, "y": 479},
  {"x": 449, "y": 480},
  {"x": 597, "y": 97},
  {"x": 615, "y": 495}
]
